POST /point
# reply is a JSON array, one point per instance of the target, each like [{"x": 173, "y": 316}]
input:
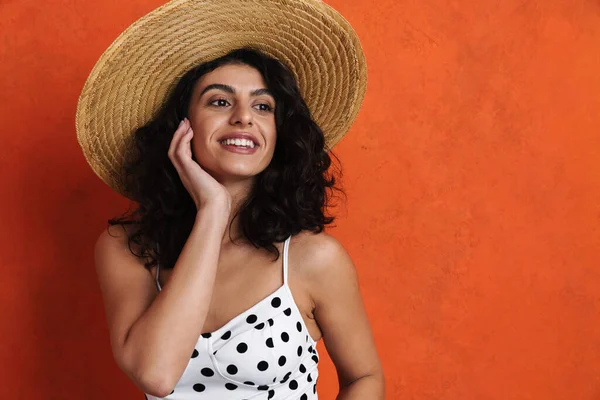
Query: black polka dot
[
  {"x": 309, "y": 378},
  {"x": 226, "y": 335},
  {"x": 315, "y": 359},
  {"x": 293, "y": 384},
  {"x": 206, "y": 335},
  {"x": 249, "y": 383},
  {"x": 287, "y": 311},
  {"x": 299, "y": 351},
  {"x": 270, "y": 342},
  {"x": 270, "y": 321},
  {"x": 274, "y": 379},
  {"x": 195, "y": 353},
  {"x": 207, "y": 372},
  {"x": 198, "y": 387},
  {"x": 230, "y": 386},
  {"x": 299, "y": 326},
  {"x": 276, "y": 302},
  {"x": 251, "y": 319},
  {"x": 214, "y": 352},
  {"x": 285, "y": 337},
  {"x": 263, "y": 387},
  {"x": 304, "y": 397},
  {"x": 307, "y": 338},
  {"x": 232, "y": 369},
  {"x": 242, "y": 347},
  {"x": 260, "y": 326},
  {"x": 281, "y": 361},
  {"x": 263, "y": 365},
  {"x": 302, "y": 368},
  {"x": 315, "y": 388},
  {"x": 271, "y": 394},
  {"x": 286, "y": 377},
  {"x": 310, "y": 349}
]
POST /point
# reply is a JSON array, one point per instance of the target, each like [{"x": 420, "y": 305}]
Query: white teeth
[{"x": 239, "y": 142}]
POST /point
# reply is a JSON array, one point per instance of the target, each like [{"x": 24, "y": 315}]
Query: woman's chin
[
  {"x": 233, "y": 175},
  {"x": 232, "y": 172}
]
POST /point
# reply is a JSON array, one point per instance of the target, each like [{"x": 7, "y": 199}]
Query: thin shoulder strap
[
  {"x": 286, "y": 246},
  {"x": 157, "y": 269}
]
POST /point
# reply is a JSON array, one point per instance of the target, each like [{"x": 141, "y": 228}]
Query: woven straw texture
[{"x": 133, "y": 76}]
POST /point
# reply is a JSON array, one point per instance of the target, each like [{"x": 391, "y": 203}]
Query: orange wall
[{"x": 473, "y": 214}]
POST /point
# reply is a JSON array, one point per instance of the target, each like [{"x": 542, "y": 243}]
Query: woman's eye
[
  {"x": 224, "y": 103},
  {"x": 265, "y": 107},
  {"x": 220, "y": 102}
]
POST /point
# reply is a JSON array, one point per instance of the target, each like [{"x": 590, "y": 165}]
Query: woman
[{"x": 222, "y": 281}]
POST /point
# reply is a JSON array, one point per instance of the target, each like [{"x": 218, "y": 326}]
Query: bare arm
[
  {"x": 153, "y": 335},
  {"x": 341, "y": 316}
]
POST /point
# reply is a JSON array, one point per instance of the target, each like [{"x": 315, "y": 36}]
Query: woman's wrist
[{"x": 214, "y": 213}]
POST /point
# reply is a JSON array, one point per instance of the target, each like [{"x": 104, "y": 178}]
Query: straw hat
[{"x": 133, "y": 76}]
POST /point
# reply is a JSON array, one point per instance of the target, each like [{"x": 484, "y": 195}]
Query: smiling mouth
[
  {"x": 239, "y": 143},
  {"x": 238, "y": 149}
]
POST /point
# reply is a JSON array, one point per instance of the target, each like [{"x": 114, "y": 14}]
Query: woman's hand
[{"x": 204, "y": 189}]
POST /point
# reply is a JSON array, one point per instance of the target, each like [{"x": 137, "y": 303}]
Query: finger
[
  {"x": 188, "y": 133},
  {"x": 184, "y": 143},
  {"x": 179, "y": 133}
]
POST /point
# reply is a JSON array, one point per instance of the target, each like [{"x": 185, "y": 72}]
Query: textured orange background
[{"x": 473, "y": 181}]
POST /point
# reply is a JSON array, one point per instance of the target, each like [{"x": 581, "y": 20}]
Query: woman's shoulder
[
  {"x": 115, "y": 235},
  {"x": 315, "y": 242},
  {"x": 318, "y": 253},
  {"x": 114, "y": 240}
]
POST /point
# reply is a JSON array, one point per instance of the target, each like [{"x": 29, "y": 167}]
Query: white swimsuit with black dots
[{"x": 263, "y": 353}]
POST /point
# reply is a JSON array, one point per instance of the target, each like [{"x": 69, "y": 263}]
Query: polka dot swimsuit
[{"x": 263, "y": 353}]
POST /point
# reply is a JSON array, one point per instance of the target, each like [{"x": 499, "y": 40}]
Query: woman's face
[{"x": 232, "y": 103}]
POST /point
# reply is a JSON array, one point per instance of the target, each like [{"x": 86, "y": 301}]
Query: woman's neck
[{"x": 239, "y": 191}]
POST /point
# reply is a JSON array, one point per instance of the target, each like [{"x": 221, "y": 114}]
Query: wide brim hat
[{"x": 133, "y": 76}]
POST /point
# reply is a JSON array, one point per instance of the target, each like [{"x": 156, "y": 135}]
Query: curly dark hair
[{"x": 290, "y": 195}]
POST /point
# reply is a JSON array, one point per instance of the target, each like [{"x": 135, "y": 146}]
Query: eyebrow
[{"x": 230, "y": 89}]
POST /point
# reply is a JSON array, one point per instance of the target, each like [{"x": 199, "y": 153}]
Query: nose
[{"x": 241, "y": 115}]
